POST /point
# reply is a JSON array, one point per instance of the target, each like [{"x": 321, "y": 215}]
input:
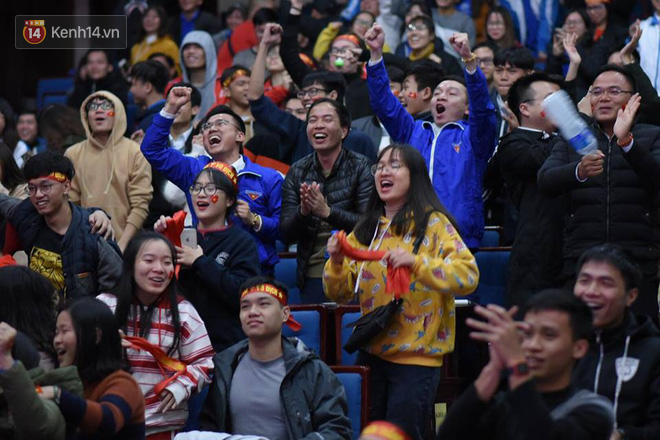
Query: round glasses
[
  {"x": 209, "y": 189},
  {"x": 379, "y": 168}
]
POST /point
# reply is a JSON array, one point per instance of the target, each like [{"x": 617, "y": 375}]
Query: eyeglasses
[
  {"x": 104, "y": 105},
  {"x": 573, "y": 23},
  {"x": 209, "y": 189},
  {"x": 217, "y": 123},
  {"x": 486, "y": 61},
  {"x": 311, "y": 92},
  {"x": 495, "y": 23},
  {"x": 417, "y": 27},
  {"x": 613, "y": 92},
  {"x": 363, "y": 22},
  {"x": 340, "y": 52},
  {"x": 45, "y": 188},
  {"x": 379, "y": 168}
]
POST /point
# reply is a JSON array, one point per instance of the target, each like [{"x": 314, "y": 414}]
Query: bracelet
[
  {"x": 56, "y": 394},
  {"x": 625, "y": 141},
  {"x": 472, "y": 57}
]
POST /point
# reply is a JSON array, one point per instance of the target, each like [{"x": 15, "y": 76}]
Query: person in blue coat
[
  {"x": 259, "y": 188},
  {"x": 456, "y": 149}
]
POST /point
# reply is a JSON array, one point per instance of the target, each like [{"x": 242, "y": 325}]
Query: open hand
[
  {"x": 569, "y": 46},
  {"x": 626, "y": 116}
]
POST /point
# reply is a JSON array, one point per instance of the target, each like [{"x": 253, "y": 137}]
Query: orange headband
[
  {"x": 384, "y": 430},
  {"x": 276, "y": 293},
  {"x": 58, "y": 177},
  {"x": 225, "y": 169},
  {"x": 348, "y": 37},
  {"x": 233, "y": 76}
]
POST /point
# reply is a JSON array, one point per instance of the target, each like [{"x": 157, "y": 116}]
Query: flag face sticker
[
  {"x": 253, "y": 195},
  {"x": 34, "y": 31}
]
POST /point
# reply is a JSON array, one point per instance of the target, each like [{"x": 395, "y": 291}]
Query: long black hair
[
  {"x": 223, "y": 183},
  {"x": 421, "y": 202},
  {"x": 125, "y": 291},
  {"x": 98, "y": 346},
  {"x": 11, "y": 174},
  {"x": 28, "y": 304}
]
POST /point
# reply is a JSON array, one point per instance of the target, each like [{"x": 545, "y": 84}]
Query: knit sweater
[
  {"x": 113, "y": 405},
  {"x": 424, "y": 330},
  {"x": 194, "y": 350},
  {"x": 114, "y": 177}
]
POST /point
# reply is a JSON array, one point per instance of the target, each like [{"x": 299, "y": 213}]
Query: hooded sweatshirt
[
  {"x": 623, "y": 364},
  {"x": 114, "y": 177},
  {"x": 208, "y": 89}
]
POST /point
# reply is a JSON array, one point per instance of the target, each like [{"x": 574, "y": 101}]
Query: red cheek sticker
[
  {"x": 111, "y": 114},
  {"x": 543, "y": 114},
  {"x": 412, "y": 95},
  {"x": 214, "y": 199},
  {"x": 623, "y": 107},
  {"x": 170, "y": 275}
]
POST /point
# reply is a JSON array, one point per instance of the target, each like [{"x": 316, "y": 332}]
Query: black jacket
[
  {"x": 638, "y": 403},
  {"x": 525, "y": 414},
  {"x": 205, "y": 21},
  {"x": 535, "y": 262},
  {"x": 618, "y": 206},
  {"x": 114, "y": 83},
  {"x": 314, "y": 400},
  {"x": 213, "y": 282},
  {"x": 347, "y": 190}
]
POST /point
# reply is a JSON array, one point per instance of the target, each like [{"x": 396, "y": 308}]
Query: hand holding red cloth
[{"x": 173, "y": 232}]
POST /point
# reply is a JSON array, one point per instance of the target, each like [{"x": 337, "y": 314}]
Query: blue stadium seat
[
  {"x": 285, "y": 273},
  {"x": 312, "y": 333},
  {"x": 356, "y": 383},
  {"x": 195, "y": 404},
  {"x": 491, "y": 238},
  {"x": 53, "y": 90},
  {"x": 345, "y": 315},
  {"x": 492, "y": 277}
]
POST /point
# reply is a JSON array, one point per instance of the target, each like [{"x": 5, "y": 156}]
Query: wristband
[
  {"x": 518, "y": 369},
  {"x": 625, "y": 141},
  {"x": 472, "y": 57}
]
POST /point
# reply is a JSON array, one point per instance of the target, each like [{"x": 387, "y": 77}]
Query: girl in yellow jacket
[{"x": 405, "y": 358}]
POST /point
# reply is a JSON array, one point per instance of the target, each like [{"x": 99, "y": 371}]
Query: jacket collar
[
  {"x": 249, "y": 168},
  {"x": 340, "y": 159}
]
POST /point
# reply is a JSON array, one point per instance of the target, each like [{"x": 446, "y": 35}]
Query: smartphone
[{"x": 189, "y": 238}]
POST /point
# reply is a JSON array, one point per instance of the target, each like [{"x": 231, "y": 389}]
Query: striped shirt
[{"x": 194, "y": 350}]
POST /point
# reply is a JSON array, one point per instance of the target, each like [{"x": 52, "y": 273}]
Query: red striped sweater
[{"x": 195, "y": 351}]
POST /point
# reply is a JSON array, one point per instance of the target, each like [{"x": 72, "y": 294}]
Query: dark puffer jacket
[
  {"x": 618, "y": 206},
  {"x": 346, "y": 189}
]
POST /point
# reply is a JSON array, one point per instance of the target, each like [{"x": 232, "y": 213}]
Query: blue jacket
[
  {"x": 259, "y": 186},
  {"x": 456, "y": 153}
]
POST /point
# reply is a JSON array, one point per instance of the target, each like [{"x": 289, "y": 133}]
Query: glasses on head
[
  {"x": 485, "y": 61},
  {"x": 217, "y": 123},
  {"x": 209, "y": 189},
  {"x": 103, "y": 105},
  {"x": 380, "y": 167},
  {"x": 613, "y": 91},
  {"x": 45, "y": 188},
  {"x": 417, "y": 27},
  {"x": 311, "y": 92}
]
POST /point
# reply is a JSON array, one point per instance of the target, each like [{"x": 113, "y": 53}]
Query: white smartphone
[{"x": 189, "y": 238}]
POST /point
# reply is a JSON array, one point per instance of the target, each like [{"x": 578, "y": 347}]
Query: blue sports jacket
[
  {"x": 259, "y": 186},
  {"x": 456, "y": 153}
]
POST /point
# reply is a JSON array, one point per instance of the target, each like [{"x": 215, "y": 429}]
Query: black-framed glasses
[
  {"x": 613, "y": 91},
  {"x": 209, "y": 189},
  {"x": 311, "y": 92},
  {"x": 394, "y": 167},
  {"x": 103, "y": 105},
  {"x": 217, "y": 123},
  {"x": 45, "y": 189},
  {"x": 486, "y": 61}
]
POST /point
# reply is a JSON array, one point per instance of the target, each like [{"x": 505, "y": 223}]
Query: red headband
[
  {"x": 233, "y": 76},
  {"x": 225, "y": 169},
  {"x": 384, "y": 430},
  {"x": 276, "y": 293},
  {"x": 58, "y": 177},
  {"x": 348, "y": 37}
]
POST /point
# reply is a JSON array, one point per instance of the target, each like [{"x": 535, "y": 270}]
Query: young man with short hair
[
  {"x": 324, "y": 191},
  {"x": 485, "y": 53},
  {"x": 112, "y": 173},
  {"x": 271, "y": 386},
  {"x": 235, "y": 82},
  {"x": 223, "y": 132},
  {"x": 623, "y": 361},
  {"x": 316, "y": 85},
  {"x": 456, "y": 151},
  {"x": 417, "y": 90},
  {"x": 535, "y": 262},
  {"x": 537, "y": 356},
  {"x": 58, "y": 236},
  {"x": 29, "y": 142},
  {"x": 148, "y": 82},
  {"x": 101, "y": 75}
]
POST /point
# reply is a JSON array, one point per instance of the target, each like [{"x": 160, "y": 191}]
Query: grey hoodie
[{"x": 205, "y": 41}]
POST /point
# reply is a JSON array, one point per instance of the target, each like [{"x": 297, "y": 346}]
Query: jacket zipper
[
  {"x": 607, "y": 206},
  {"x": 601, "y": 354}
]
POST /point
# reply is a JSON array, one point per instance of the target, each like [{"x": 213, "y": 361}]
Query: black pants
[{"x": 401, "y": 394}]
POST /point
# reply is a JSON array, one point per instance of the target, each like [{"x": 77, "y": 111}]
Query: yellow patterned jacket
[{"x": 423, "y": 329}]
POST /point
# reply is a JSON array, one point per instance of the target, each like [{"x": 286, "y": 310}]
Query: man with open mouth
[{"x": 459, "y": 141}]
